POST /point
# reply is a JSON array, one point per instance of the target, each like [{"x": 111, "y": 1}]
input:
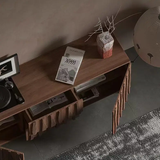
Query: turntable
[{"x": 10, "y": 96}]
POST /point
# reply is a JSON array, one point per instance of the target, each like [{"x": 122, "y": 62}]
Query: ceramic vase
[{"x": 105, "y": 43}]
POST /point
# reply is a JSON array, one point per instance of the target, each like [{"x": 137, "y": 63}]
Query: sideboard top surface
[{"x": 36, "y": 80}]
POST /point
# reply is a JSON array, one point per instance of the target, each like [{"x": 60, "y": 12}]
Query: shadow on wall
[
  {"x": 130, "y": 11},
  {"x": 123, "y": 13},
  {"x": 53, "y": 45},
  {"x": 50, "y": 61},
  {"x": 128, "y": 17},
  {"x": 124, "y": 29}
]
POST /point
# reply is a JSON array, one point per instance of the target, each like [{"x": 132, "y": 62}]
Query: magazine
[
  {"x": 37, "y": 109},
  {"x": 67, "y": 70},
  {"x": 57, "y": 100},
  {"x": 74, "y": 53},
  {"x": 69, "y": 65}
]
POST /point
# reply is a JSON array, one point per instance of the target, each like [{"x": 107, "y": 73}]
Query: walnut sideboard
[{"x": 36, "y": 83}]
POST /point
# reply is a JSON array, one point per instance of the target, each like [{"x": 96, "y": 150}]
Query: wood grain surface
[
  {"x": 39, "y": 125},
  {"x": 36, "y": 79}
]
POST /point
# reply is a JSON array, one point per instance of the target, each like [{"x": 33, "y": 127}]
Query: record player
[{"x": 10, "y": 96}]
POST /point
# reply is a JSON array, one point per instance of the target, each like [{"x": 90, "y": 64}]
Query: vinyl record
[{"x": 5, "y": 97}]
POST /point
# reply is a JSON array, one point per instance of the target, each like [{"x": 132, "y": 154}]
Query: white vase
[{"x": 105, "y": 43}]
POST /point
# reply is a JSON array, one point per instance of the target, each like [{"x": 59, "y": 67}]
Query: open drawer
[
  {"x": 102, "y": 86},
  {"x": 52, "y": 117}
]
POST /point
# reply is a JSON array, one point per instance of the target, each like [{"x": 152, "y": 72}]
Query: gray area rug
[{"x": 138, "y": 140}]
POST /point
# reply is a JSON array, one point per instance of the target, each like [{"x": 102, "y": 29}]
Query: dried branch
[
  {"x": 113, "y": 25},
  {"x": 98, "y": 30},
  {"x": 127, "y": 17},
  {"x": 109, "y": 23},
  {"x": 117, "y": 13}
]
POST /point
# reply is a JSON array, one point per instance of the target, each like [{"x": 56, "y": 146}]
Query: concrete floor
[{"x": 96, "y": 118}]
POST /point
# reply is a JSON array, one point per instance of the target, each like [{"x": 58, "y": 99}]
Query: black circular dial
[{"x": 5, "y": 97}]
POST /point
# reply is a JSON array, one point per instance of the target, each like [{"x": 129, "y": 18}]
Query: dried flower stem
[
  {"x": 98, "y": 30},
  {"x": 127, "y": 17},
  {"x": 109, "y": 23}
]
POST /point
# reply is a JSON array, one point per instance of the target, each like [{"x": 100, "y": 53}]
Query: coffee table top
[{"x": 36, "y": 79}]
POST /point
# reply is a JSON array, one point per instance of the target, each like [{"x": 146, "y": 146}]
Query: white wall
[{"x": 33, "y": 27}]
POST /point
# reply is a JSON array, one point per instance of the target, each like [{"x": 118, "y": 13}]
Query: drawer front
[
  {"x": 36, "y": 127},
  {"x": 121, "y": 99}
]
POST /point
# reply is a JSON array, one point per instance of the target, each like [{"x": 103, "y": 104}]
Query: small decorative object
[
  {"x": 9, "y": 67},
  {"x": 147, "y": 36},
  {"x": 105, "y": 41},
  {"x": 105, "y": 44}
]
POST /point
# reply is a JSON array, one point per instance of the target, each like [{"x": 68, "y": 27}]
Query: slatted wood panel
[
  {"x": 36, "y": 127},
  {"x": 7, "y": 154},
  {"x": 121, "y": 99}
]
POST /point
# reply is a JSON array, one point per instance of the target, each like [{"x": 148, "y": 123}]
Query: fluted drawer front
[
  {"x": 121, "y": 99},
  {"x": 53, "y": 119}
]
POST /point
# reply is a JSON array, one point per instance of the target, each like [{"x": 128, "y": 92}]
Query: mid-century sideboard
[{"x": 36, "y": 83}]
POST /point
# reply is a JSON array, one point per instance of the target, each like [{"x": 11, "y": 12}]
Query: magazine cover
[
  {"x": 74, "y": 53},
  {"x": 67, "y": 70}
]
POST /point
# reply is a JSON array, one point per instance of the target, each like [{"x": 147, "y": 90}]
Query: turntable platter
[{"x": 5, "y": 97}]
